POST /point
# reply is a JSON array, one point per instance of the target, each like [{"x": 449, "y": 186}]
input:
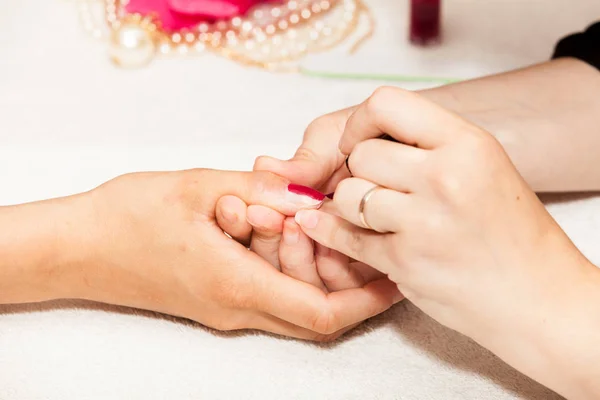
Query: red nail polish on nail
[{"x": 306, "y": 191}]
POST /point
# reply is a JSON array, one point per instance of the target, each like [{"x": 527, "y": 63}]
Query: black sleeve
[{"x": 584, "y": 46}]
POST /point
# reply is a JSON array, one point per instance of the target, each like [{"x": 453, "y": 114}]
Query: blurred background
[{"x": 58, "y": 87}]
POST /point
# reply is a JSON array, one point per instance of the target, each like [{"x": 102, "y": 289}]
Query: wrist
[
  {"x": 571, "y": 342},
  {"x": 553, "y": 334},
  {"x": 43, "y": 246}
]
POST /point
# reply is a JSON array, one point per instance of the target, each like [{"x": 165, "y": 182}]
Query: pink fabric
[{"x": 180, "y": 14}]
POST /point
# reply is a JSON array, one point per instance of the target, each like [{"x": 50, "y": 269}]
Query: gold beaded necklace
[{"x": 270, "y": 37}]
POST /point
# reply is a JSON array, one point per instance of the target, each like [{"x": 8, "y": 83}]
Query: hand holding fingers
[
  {"x": 406, "y": 116},
  {"x": 308, "y": 307}
]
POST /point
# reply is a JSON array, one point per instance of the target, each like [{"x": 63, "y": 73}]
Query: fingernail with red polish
[{"x": 305, "y": 196}]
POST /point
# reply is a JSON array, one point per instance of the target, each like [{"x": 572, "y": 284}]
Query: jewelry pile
[{"x": 268, "y": 36}]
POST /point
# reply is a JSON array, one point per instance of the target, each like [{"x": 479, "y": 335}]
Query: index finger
[
  {"x": 318, "y": 157},
  {"x": 406, "y": 116}
]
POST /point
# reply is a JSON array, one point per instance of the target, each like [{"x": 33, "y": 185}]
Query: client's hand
[
  {"x": 281, "y": 242},
  {"x": 153, "y": 243},
  {"x": 456, "y": 227}
]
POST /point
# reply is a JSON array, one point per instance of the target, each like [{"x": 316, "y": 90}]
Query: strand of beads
[
  {"x": 318, "y": 35},
  {"x": 268, "y": 36}
]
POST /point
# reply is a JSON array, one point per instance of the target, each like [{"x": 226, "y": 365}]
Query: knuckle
[
  {"x": 305, "y": 153},
  {"x": 383, "y": 96},
  {"x": 360, "y": 155},
  {"x": 444, "y": 176},
  {"x": 264, "y": 181},
  {"x": 452, "y": 177},
  {"x": 384, "y": 93},
  {"x": 325, "y": 322},
  {"x": 487, "y": 147},
  {"x": 318, "y": 123},
  {"x": 324, "y": 338},
  {"x": 327, "y": 124},
  {"x": 355, "y": 243},
  {"x": 449, "y": 185}
]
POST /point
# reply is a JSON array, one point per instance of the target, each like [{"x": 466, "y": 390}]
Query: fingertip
[{"x": 307, "y": 219}]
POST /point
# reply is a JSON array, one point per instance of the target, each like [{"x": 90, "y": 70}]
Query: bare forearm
[
  {"x": 558, "y": 344},
  {"x": 40, "y": 244},
  {"x": 547, "y": 117}
]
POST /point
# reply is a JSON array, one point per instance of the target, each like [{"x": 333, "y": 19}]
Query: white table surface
[{"x": 69, "y": 121}]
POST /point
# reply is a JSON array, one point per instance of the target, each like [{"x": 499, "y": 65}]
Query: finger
[
  {"x": 278, "y": 326},
  {"x": 367, "y": 272},
  {"x": 266, "y": 237},
  {"x": 329, "y": 187},
  {"x": 263, "y": 288},
  {"x": 335, "y": 271},
  {"x": 231, "y": 218},
  {"x": 338, "y": 234},
  {"x": 330, "y": 312},
  {"x": 383, "y": 210},
  {"x": 389, "y": 164},
  {"x": 318, "y": 157},
  {"x": 262, "y": 188},
  {"x": 297, "y": 256},
  {"x": 406, "y": 116}
]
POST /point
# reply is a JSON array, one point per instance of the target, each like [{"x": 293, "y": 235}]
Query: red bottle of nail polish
[{"x": 425, "y": 16}]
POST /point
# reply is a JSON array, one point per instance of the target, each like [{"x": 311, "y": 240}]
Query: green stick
[{"x": 377, "y": 77}]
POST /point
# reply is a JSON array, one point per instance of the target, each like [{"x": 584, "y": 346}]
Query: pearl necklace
[{"x": 270, "y": 37}]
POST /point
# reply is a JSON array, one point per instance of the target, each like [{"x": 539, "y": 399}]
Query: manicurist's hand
[
  {"x": 151, "y": 241},
  {"x": 545, "y": 116},
  {"x": 446, "y": 215}
]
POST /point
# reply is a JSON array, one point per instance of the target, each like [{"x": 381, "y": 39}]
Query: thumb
[
  {"x": 318, "y": 158},
  {"x": 309, "y": 171},
  {"x": 255, "y": 188}
]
